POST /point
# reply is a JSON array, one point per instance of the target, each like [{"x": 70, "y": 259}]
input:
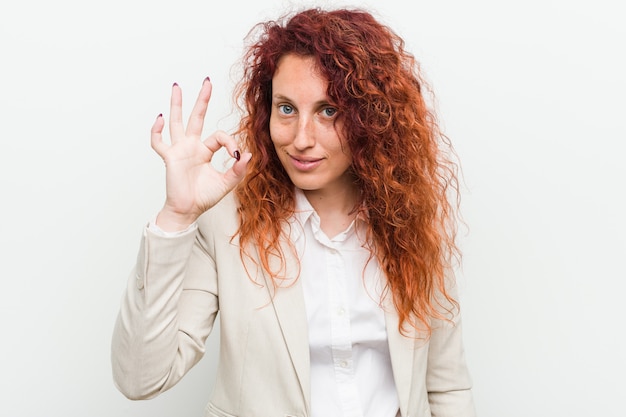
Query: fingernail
[
  {"x": 160, "y": 115},
  {"x": 237, "y": 155},
  {"x": 207, "y": 78},
  {"x": 174, "y": 85}
]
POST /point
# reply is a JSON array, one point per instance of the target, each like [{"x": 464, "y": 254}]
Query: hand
[{"x": 193, "y": 185}]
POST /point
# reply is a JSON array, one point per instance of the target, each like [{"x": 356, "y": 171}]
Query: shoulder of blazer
[{"x": 220, "y": 220}]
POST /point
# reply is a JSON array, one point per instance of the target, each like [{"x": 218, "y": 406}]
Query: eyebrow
[{"x": 278, "y": 97}]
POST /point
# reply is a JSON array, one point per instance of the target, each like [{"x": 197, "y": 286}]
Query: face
[{"x": 304, "y": 129}]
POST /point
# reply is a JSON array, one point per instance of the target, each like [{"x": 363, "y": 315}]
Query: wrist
[{"x": 170, "y": 221}]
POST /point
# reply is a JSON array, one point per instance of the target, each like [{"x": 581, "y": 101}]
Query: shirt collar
[
  {"x": 303, "y": 208},
  {"x": 303, "y": 212}
]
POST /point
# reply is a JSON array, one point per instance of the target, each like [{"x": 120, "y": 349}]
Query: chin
[{"x": 305, "y": 186}]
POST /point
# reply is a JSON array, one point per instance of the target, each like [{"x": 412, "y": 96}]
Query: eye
[
  {"x": 285, "y": 108},
  {"x": 329, "y": 111}
]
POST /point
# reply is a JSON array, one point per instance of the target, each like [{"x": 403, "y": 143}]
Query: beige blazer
[{"x": 172, "y": 299}]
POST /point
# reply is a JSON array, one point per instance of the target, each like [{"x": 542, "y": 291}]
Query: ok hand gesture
[{"x": 193, "y": 185}]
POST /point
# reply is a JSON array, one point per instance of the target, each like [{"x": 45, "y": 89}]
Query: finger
[
  {"x": 177, "y": 129},
  {"x": 221, "y": 139},
  {"x": 196, "y": 118},
  {"x": 236, "y": 173},
  {"x": 156, "y": 137}
]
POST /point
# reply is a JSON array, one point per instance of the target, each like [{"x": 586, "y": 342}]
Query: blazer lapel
[
  {"x": 402, "y": 350},
  {"x": 288, "y": 303}
]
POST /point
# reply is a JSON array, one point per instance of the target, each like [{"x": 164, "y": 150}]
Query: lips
[{"x": 305, "y": 163}]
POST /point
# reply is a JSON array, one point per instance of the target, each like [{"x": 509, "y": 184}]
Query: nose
[{"x": 305, "y": 134}]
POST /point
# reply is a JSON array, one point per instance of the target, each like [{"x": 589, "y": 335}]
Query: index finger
[
  {"x": 219, "y": 139},
  {"x": 196, "y": 118}
]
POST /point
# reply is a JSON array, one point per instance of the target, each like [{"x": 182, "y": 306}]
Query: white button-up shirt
[{"x": 351, "y": 373}]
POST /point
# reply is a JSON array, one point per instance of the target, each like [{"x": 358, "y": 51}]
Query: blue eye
[
  {"x": 329, "y": 111},
  {"x": 285, "y": 108}
]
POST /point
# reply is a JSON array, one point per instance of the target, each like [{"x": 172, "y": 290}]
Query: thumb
[{"x": 237, "y": 171}]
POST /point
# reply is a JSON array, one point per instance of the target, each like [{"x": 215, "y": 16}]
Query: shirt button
[
  {"x": 341, "y": 312},
  {"x": 343, "y": 364}
]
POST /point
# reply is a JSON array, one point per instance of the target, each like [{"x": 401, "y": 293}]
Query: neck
[{"x": 336, "y": 209}]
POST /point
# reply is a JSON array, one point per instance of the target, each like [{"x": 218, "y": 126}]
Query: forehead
[{"x": 299, "y": 73}]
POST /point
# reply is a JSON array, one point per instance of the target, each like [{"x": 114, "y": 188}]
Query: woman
[{"x": 325, "y": 247}]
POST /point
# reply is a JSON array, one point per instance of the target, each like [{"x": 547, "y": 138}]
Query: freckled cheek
[
  {"x": 279, "y": 135},
  {"x": 338, "y": 146}
]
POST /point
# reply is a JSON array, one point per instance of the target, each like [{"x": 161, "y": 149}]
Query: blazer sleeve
[
  {"x": 447, "y": 380},
  {"x": 166, "y": 315}
]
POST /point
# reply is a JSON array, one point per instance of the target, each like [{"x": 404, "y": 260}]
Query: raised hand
[{"x": 193, "y": 185}]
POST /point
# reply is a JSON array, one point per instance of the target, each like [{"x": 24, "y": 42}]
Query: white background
[{"x": 530, "y": 92}]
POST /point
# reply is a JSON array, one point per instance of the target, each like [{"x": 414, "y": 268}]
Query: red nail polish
[
  {"x": 237, "y": 155},
  {"x": 207, "y": 78},
  {"x": 160, "y": 115},
  {"x": 174, "y": 85}
]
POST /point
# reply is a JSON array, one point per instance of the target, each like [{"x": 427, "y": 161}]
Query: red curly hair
[{"x": 401, "y": 161}]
